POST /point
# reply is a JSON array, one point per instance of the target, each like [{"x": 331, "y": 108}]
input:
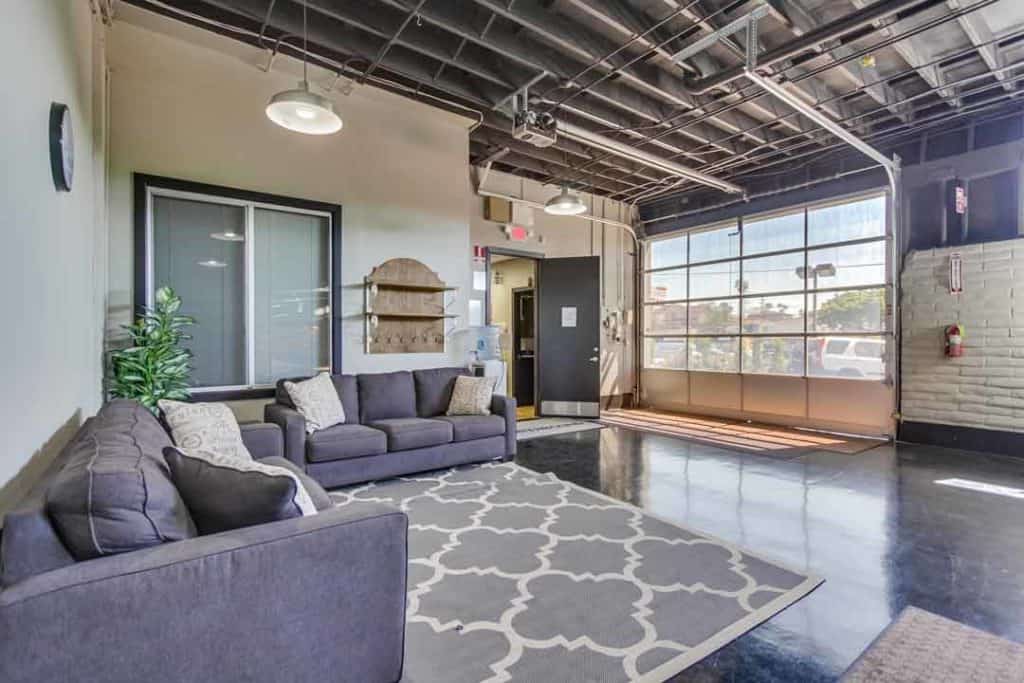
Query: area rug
[
  {"x": 921, "y": 647},
  {"x": 516, "y": 575},
  {"x": 748, "y": 437},
  {"x": 549, "y": 426}
]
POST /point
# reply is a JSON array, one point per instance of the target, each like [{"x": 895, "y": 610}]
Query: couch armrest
[
  {"x": 306, "y": 599},
  {"x": 293, "y": 425},
  {"x": 506, "y": 407},
  {"x": 263, "y": 439}
]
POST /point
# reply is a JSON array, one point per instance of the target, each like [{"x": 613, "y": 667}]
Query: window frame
[
  {"x": 807, "y": 290},
  {"x": 146, "y": 187}
]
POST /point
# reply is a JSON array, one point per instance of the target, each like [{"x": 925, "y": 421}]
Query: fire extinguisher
[{"x": 955, "y": 341}]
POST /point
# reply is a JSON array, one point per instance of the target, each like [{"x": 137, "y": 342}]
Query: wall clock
[{"x": 62, "y": 147}]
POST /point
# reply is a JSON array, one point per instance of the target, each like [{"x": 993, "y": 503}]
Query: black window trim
[{"x": 141, "y": 184}]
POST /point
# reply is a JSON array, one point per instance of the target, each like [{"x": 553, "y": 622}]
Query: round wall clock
[{"x": 62, "y": 146}]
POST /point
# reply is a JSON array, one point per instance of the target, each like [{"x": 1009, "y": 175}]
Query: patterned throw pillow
[
  {"x": 204, "y": 426},
  {"x": 317, "y": 400},
  {"x": 471, "y": 396},
  {"x": 224, "y": 493}
]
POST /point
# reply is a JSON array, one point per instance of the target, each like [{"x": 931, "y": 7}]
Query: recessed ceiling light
[{"x": 228, "y": 236}]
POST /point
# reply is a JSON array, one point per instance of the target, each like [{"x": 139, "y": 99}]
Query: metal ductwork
[
  {"x": 830, "y": 31},
  {"x": 641, "y": 157}
]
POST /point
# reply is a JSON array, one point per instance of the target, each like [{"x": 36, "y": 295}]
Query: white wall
[
  {"x": 50, "y": 266},
  {"x": 985, "y": 387},
  {"x": 187, "y": 103}
]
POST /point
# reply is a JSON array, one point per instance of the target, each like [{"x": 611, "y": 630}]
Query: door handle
[{"x": 593, "y": 359}]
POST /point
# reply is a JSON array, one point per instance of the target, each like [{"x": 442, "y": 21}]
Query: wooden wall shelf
[{"x": 405, "y": 308}]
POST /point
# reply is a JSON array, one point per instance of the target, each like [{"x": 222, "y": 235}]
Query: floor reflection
[{"x": 876, "y": 526}]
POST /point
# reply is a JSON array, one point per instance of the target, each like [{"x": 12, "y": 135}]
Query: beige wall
[
  {"x": 52, "y": 265},
  {"x": 189, "y": 104},
  {"x": 562, "y": 236}
]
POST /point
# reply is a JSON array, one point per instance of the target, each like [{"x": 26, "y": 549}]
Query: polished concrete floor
[{"x": 876, "y": 526}]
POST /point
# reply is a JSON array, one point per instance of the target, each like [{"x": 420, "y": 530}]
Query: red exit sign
[{"x": 517, "y": 233}]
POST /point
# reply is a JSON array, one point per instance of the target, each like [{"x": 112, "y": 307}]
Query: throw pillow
[
  {"x": 471, "y": 396},
  {"x": 224, "y": 493},
  {"x": 204, "y": 426},
  {"x": 317, "y": 400}
]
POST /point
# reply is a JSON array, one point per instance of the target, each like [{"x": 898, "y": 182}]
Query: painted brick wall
[{"x": 985, "y": 387}]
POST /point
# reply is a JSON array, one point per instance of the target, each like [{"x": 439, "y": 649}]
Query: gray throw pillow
[
  {"x": 204, "y": 426},
  {"x": 471, "y": 396},
  {"x": 224, "y": 493}
]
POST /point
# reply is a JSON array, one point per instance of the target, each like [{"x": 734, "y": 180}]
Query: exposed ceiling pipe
[
  {"x": 585, "y": 136},
  {"x": 811, "y": 39}
]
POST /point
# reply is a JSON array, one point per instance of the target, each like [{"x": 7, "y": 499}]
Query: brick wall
[{"x": 985, "y": 387}]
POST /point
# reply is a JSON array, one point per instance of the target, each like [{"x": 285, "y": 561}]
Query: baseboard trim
[
  {"x": 967, "y": 438},
  {"x": 617, "y": 401}
]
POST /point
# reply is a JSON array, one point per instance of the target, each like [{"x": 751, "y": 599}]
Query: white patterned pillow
[
  {"x": 204, "y": 426},
  {"x": 471, "y": 396},
  {"x": 317, "y": 400}
]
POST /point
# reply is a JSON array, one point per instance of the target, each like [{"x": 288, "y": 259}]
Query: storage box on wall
[{"x": 497, "y": 210}]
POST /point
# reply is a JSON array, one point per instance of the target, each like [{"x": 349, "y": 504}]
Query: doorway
[
  {"x": 512, "y": 309},
  {"x": 548, "y": 315}
]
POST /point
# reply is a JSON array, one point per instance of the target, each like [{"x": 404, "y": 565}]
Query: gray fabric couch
[
  {"x": 394, "y": 425},
  {"x": 318, "y": 598}
]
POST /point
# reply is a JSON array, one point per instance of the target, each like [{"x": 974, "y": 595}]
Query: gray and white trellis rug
[{"x": 515, "y": 575}]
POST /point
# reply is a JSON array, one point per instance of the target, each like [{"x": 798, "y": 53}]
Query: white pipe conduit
[{"x": 632, "y": 153}]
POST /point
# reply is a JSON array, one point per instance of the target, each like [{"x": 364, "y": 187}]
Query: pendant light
[
  {"x": 565, "y": 203},
  {"x": 302, "y": 110}
]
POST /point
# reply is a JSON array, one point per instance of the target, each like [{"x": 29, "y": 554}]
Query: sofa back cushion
[
  {"x": 386, "y": 395},
  {"x": 346, "y": 386},
  {"x": 114, "y": 493},
  {"x": 434, "y": 389}
]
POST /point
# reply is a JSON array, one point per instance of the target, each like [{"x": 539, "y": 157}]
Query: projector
[{"x": 533, "y": 128}]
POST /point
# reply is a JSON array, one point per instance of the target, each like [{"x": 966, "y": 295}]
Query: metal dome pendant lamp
[
  {"x": 565, "y": 203},
  {"x": 302, "y": 110}
]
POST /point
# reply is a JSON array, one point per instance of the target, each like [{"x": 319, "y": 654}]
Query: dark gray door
[{"x": 569, "y": 320}]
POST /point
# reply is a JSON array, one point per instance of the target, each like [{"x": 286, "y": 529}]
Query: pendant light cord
[{"x": 305, "y": 50}]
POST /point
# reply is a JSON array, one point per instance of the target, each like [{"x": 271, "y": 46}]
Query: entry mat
[
  {"x": 921, "y": 647},
  {"x": 738, "y": 435},
  {"x": 550, "y": 426},
  {"x": 516, "y": 575}
]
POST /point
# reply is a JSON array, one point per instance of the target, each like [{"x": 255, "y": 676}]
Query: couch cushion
[
  {"x": 472, "y": 427},
  {"x": 224, "y": 493},
  {"x": 114, "y": 493},
  {"x": 346, "y": 386},
  {"x": 386, "y": 395},
  {"x": 321, "y": 499},
  {"x": 414, "y": 432},
  {"x": 345, "y": 441},
  {"x": 434, "y": 389}
]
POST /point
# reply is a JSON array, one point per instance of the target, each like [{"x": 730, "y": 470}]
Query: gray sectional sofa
[
  {"x": 395, "y": 424},
  {"x": 317, "y": 598}
]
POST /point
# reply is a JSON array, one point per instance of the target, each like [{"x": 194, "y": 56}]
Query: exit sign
[{"x": 517, "y": 233}]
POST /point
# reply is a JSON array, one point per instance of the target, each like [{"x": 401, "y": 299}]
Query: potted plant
[{"x": 154, "y": 366}]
